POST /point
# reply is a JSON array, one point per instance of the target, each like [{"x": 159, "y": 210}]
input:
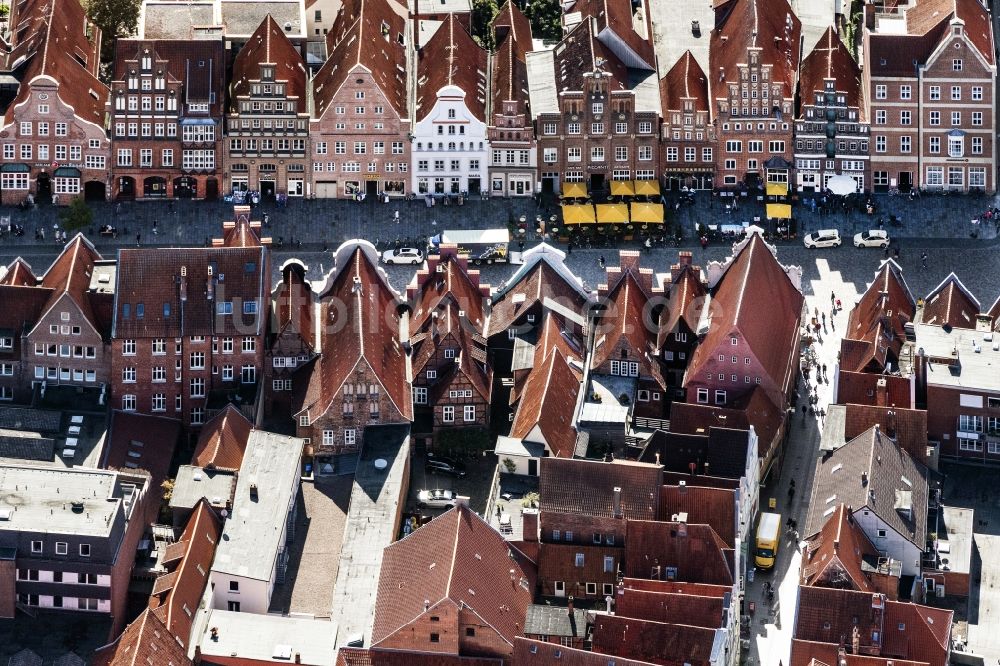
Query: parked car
[
  {"x": 872, "y": 238},
  {"x": 403, "y": 255},
  {"x": 444, "y": 466},
  {"x": 435, "y": 499},
  {"x": 823, "y": 238}
]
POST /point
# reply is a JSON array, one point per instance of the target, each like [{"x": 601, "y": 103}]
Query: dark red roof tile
[
  {"x": 461, "y": 560},
  {"x": 587, "y": 487},
  {"x": 145, "y": 641},
  {"x": 452, "y": 58},
  {"x": 830, "y": 59},
  {"x": 951, "y": 304},
  {"x": 223, "y": 441},
  {"x": 691, "y": 553},
  {"x": 655, "y": 642},
  {"x": 268, "y": 45}
]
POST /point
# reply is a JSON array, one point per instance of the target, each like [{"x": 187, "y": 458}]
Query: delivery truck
[{"x": 484, "y": 246}]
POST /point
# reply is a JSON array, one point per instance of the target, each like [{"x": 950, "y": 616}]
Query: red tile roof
[
  {"x": 827, "y": 615},
  {"x": 629, "y": 315},
  {"x": 753, "y": 283},
  {"x": 509, "y": 82},
  {"x": 684, "y": 81},
  {"x": 860, "y": 388},
  {"x": 548, "y": 398},
  {"x": 809, "y": 653},
  {"x": 448, "y": 306},
  {"x": 361, "y": 312},
  {"x": 530, "y": 652},
  {"x": 545, "y": 279},
  {"x": 757, "y": 410},
  {"x": 671, "y": 607},
  {"x": 558, "y": 562},
  {"x": 199, "y": 65},
  {"x": 70, "y": 274},
  {"x": 153, "y": 277},
  {"x": 382, "y": 657},
  {"x": 293, "y": 305},
  {"x": 364, "y": 34},
  {"x": 768, "y": 25},
  {"x": 19, "y": 274},
  {"x": 696, "y": 552},
  {"x": 951, "y": 304},
  {"x": 587, "y": 487},
  {"x": 907, "y": 426},
  {"x": 675, "y": 587},
  {"x": 833, "y": 556},
  {"x": 462, "y": 561},
  {"x": 175, "y": 604},
  {"x": 685, "y": 299},
  {"x": 830, "y": 59},
  {"x": 145, "y": 641},
  {"x": 223, "y": 441},
  {"x": 579, "y": 54},
  {"x": 452, "y": 58},
  {"x": 616, "y": 17},
  {"x": 927, "y": 15},
  {"x": 716, "y": 507},
  {"x": 875, "y": 326},
  {"x": 22, "y": 307},
  {"x": 894, "y": 55},
  {"x": 140, "y": 441},
  {"x": 655, "y": 642},
  {"x": 57, "y": 40},
  {"x": 268, "y": 45}
]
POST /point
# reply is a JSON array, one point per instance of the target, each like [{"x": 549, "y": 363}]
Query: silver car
[
  {"x": 822, "y": 238},
  {"x": 435, "y": 499},
  {"x": 403, "y": 255}
]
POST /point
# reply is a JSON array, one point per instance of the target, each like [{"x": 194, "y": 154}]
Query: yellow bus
[{"x": 768, "y": 538}]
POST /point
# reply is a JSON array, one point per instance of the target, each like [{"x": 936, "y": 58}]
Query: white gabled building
[{"x": 449, "y": 148}]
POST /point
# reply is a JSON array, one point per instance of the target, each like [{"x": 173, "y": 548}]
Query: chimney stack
[
  {"x": 882, "y": 392},
  {"x": 617, "y": 502},
  {"x": 529, "y": 524}
]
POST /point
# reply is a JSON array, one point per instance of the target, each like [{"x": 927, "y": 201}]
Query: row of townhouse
[
  {"x": 407, "y": 102},
  {"x": 930, "y": 356}
]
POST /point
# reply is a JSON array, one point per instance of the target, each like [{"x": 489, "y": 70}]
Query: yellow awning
[
  {"x": 647, "y": 188},
  {"x": 578, "y": 214},
  {"x": 612, "y": 214},
  {"x": 777, "y": 190},
  {"x": 622, "y": 188},
  {"x": 779, "y": 211},
  {"x": 647, "y": 213},
  {"x": 574, "y": 190}
]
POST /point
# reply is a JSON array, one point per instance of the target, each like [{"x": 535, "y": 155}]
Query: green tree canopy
[
  {"x": 116, "y": 19},
  {"x": 546, "y": 19},
  {"x": 483, "y": 13}
]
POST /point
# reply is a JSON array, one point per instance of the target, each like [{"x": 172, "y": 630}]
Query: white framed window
[
  {"x": 128, "y": 402},
  {"x": 448, "y": 414},
  {"x": 469, "y": 412},
  {"x": 703, "y": 396}
]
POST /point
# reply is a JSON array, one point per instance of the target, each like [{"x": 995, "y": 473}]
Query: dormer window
[
  {"x": 267, "y": 73},
  {"x": 147, "y": 63}
]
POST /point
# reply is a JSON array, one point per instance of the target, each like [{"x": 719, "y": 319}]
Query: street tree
[{"x": 116, "y": 19}]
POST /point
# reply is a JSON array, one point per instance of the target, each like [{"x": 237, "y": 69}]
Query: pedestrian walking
[
  {"x": 155, "y": 230},
  {"x": 138, "y": 239},
  {"x": 824, "y": 318},
  {"x": 600, "y": 261},
  {"x": 896, "y": 253},
  {"x": 824, "y": 369},
  {"x": 704, "y": 242},
  {"x": 923, "y": 260},
  {"x": 395, "y": 216},
  {"x": 833, "y": 298}
]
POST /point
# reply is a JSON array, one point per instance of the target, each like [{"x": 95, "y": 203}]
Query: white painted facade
[
  {"x": 450, "y": 151},
  {"x": 894, "y": 544}
]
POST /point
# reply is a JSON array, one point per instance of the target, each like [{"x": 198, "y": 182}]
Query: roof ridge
[{"x": 454, "y": 549}]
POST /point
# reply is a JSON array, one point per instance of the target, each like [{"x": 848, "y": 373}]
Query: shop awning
[
  {"x": 647, "y": 188},
  {"x": 779, "y": 211},
  {"x": 612, "y": 214},
  {"x": 578, "y": 214},
  {"x": 647, "y": 213},
  {"x": 15, "y": 168},
  {"x": 622, "y": 188},
  {"x": 66, "y": 172},
  {"x": 777, "y": 189},
  {"x": 574, "y": 190}
]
